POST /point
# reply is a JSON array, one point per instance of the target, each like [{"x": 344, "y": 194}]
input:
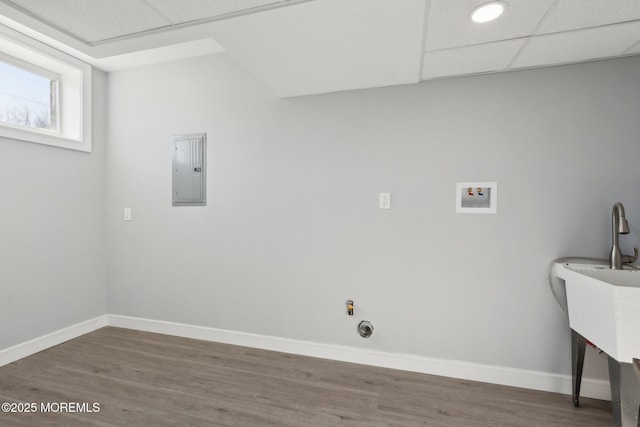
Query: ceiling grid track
[
  {"x": 423, "y": 46},
  {"x": 157, "y": 12},
  {"x": 201, "y": 21},
  {"x": 528, "y": 39}
]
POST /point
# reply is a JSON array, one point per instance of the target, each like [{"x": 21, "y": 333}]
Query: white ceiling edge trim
[
  {"x": 189, "y": 31},
  {"x": 36, "y": 29},
  {"x": 532, "y": 67},
  {"x": 41, "y": 37},
  {"x": 159, "y": 55},
  {"x": 137, "y": 58},
  {"x": 201, "y": 21}
]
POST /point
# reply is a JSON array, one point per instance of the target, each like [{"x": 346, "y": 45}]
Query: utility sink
[{"x": 604, "y": 307}]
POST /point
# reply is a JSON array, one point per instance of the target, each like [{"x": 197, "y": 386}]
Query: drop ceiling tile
[
  {"x": 580, "y": 45},
  {"x": 94, "y": 20},
  {"x": 191, "y": 10},
  {"x": 311, "y": 48},
  {"x": 449, "y": 25},
  {"x": 576, "y": 14},
  {"x": 480, "y": 58}
]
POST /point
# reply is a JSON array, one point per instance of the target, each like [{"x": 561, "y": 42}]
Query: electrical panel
[{"x": 189, "y": 170}]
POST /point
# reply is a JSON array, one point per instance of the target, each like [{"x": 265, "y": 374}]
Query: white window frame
[
  {"x": 41, "y": 72},
  {"x": 74, "y": 92}
]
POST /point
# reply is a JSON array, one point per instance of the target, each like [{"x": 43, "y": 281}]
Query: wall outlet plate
[{"x": 384, "y": 201}]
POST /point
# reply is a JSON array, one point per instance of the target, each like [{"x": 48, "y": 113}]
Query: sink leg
[
  {"x": 614, "y": 382},
  {"x": 624, "y": 379},
  {"x": 578, "y": 346},
  {"x": 625, "y": 393}
]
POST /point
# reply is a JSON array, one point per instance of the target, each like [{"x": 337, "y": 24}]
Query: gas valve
[{"x": 349, "y": 307}]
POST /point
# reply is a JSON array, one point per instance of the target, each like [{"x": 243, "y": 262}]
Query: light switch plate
[
  {"x": 384, "y": 200},
  {"x": 127, "y": 214}
]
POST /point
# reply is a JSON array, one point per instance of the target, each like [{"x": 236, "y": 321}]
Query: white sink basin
[{"x": 604, "y": 307}]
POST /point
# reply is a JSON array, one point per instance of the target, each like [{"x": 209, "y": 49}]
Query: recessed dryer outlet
[{"x": 365, "y": 329}]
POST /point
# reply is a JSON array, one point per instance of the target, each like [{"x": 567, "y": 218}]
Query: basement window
[
  {"x": 45, "y": 94},
  {"x": 28, "y": 95}
]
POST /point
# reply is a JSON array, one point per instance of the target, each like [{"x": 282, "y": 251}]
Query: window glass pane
[{"x": 27, "y": 99}]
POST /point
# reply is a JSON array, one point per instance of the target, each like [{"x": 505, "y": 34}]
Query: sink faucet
[{"x": 619, "y": 225}]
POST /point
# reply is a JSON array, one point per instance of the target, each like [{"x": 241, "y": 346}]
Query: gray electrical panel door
[{"x": 189, "y": 170}]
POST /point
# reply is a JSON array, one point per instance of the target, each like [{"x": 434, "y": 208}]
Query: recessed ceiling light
[{"x": 487, "y": 12}]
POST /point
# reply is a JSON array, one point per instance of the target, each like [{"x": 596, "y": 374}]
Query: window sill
[{"x": 44, "y": 138}]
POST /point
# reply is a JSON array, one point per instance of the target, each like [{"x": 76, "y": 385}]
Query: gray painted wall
[
  {"x": 292, "y": 229},
  {"x": 52, "y": 226}
]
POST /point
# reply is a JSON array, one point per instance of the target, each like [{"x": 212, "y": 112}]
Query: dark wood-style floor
[{"x": 144, "y": 379}]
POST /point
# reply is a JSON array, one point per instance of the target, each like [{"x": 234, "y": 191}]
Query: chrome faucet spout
[
  {"x": 619, "y": 225},
  {"x": 619, "y": 220}
]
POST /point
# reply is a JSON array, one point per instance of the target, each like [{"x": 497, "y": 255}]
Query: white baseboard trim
[
  {"x": 36, "y": 345},
  {"x": 543, "y": 381}
]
